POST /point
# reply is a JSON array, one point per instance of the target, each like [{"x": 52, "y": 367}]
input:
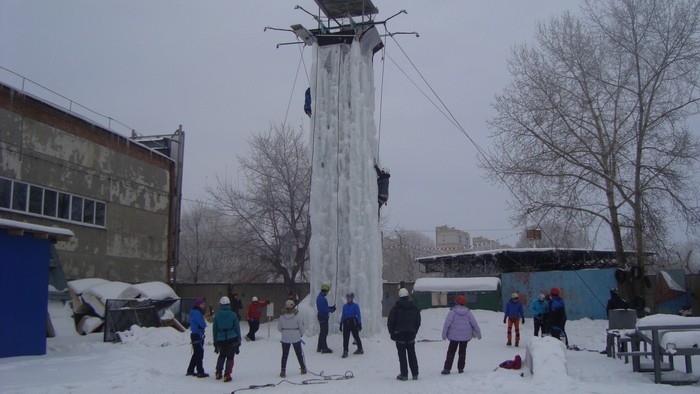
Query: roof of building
[
  {"x": 20, "y": 228},
  {"x": 457, "y": 284}
]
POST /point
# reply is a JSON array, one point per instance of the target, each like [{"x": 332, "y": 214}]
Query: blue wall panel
[
  {"x": 24, "y": 278},
  {"x": 585, "y": 292}
]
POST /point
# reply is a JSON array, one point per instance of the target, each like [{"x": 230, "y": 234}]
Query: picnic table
[{"x": 666, "y": 335}]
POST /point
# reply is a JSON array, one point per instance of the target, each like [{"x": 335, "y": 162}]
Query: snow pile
[
  {"x": 546, "y": 358},
  {"x": 153, "y": 337}
]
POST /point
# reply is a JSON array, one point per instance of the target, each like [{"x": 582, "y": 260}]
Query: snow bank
[
  {"x": 546, "y": 359},
  {"x": 154, "y": 291},
  {"x": 153, "y": 337}
]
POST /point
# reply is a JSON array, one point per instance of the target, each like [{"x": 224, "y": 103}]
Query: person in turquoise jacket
[
  {"x": 351, "y": 323},
  {"x": 197, "y": 326},
  {"x": 227, "y": 338},
  {"x": 539, "y": 308},
  {"x": 514, "y": 313}
]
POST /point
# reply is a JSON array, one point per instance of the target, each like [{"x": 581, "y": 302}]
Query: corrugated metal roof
[{"x": 60, "y": 234}]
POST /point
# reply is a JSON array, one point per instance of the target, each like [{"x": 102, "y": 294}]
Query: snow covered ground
[{"x": 154, "y": 360}]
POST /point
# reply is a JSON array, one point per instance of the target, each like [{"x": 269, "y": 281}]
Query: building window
[
  {"x": 64, "y": 206},
  {"x": 76, "y": 209},
  {"x": 89, "y": 211},
  {"x": 37, "y": 200},
  {"x": 5, "y": 193},
  {"x": 99, "y": 213},
  {"x": 19, "y": 196},
  {"x": 50, "y": 199}
]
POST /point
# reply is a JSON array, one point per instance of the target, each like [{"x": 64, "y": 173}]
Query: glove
[
  {"x": 478, "y": 337},
  {"x": 341, "y": 328},
  {"x": 237, "y": 347},
  {"x": 216, "y": 349},
  {"x": 393, "y": 338},
  {"x": 504, "y": 320},
  {"x": 359, "y": 328},
  {"x": 523, "y": 321}
]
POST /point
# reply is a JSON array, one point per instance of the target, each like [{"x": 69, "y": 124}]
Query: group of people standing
[
  {"x": 403, "y": 322},
  {"x": 548, "y": 315}
]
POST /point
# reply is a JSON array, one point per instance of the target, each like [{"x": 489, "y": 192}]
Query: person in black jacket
[
  {"x": 403, "y": 323},
  {"x": 615, "y": 302}
]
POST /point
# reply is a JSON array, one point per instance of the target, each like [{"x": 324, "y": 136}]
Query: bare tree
[
  {"x": 272, "y": 207},
  {"x": 593, "y": 128},
  {"x": 204, "y": 253},
  {"x": 401, "y": 248}
]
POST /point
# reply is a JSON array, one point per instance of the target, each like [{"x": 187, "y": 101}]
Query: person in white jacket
[
  {"x": 292, "y": 328},
  {"x": 460, "y": 326}
]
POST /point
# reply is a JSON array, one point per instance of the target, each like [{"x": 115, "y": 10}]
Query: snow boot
[
  {"x": 509, "y": 344},
  {"x": 218, "y": 376},
  {"x": 326, "y": 351},
  {"x": 303, "y": 370},
  {"x": 202, "y": 375},
  {"x": 461, "y": 371},
  {"x": 359, "y": 351},
  {"x": 415, "y": 377},
  {"x": 227, "y": 378},
  {"x": 445, "y": 372},
  {"x": 283, "y": 373},
  {"x": 345, "y": 355},
  {"x": 402, "y": 378}
]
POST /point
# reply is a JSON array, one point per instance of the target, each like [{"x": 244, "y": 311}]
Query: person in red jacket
[{"x": 253, "y": 316}]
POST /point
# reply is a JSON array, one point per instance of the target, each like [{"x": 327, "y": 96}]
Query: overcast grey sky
[{"x": 209, "y": 66}]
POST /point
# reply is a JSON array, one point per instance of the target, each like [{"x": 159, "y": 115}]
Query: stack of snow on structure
[{"x": 345, "y": 248}]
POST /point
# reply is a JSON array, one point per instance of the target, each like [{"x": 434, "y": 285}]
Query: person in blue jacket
[
  {"x": 351, "y": 323},
  {"x": 514, "y": 313},
  {"x": 197, "y": 326},
  {"x": 539, "y": 308},
  {"x": 323, "y": 313},
  {"x": 227, "y": 338}
]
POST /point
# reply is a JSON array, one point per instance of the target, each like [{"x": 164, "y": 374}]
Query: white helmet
[
  {"x": 403, "y": 292},
  {"x": 224, "y": 301},
  {"x": 289, "y": 304},
  {"x": 255, "y": 299}
]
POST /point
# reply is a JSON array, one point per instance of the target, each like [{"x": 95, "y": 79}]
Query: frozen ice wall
[{"x": 345, "y": 248}]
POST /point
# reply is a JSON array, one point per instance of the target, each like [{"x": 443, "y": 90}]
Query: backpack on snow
[{"x": 512, "y": 364}]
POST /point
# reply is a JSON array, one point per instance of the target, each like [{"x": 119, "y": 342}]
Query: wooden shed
[
  {"x": 480, "y": 292},
  {"x": 24, "y": 285}
]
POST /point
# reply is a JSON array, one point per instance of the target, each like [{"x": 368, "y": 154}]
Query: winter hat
[
  {"x": 325, "y": 287},
  {"x": 350, "y": 295},
  {"x": 255, "y": 299},
  {"x": 289, "y": 304},
  {"x": 554, "y": 291},
  {"x": 198, "y": 301},
  {"x": 224, "y": 301},
  {"x": 460, "y": 300},
  {"x": 403, "y": 293},
  {"x": 514, "y": 295}
]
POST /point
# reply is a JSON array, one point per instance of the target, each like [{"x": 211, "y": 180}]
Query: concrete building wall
[{"x": 44, "y": 146}]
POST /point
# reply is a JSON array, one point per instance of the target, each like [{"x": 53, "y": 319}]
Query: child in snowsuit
[
  {"x": 514, "y": 313},
  {"x": 197, "y": 326},
  {"x": 539, "y": 308},
  {"x": 253, "y": 317},
  {"x": 403, "y": 324},
  {"x": 227, "y": 338},
  {"x": 351, "y": 323},
  {"x": 460, "y": 326},
  {"x": 292, "y": 328}
]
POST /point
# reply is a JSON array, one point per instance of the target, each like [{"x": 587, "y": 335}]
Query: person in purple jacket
[
  {"x": 460, "y": 326},
  {"x": 514, "y": 313}
]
